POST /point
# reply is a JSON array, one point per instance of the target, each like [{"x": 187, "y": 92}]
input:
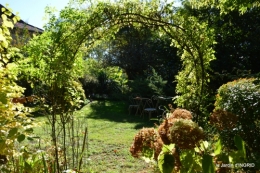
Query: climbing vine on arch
[{"x": 76, "y": 30}]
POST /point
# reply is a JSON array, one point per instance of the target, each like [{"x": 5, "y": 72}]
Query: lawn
[{"x": 110, "y": 134}]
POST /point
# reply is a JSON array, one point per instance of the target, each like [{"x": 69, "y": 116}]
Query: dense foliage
[
  {"x": 100, "y": 80},
  {"x": 15, "y": 124},
  {"x": 241, "y": 98},
  {"x": 136, "y": 49}
]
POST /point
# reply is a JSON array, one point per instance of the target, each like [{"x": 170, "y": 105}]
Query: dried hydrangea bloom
[
  {"x": 223, "y": 119},
  {"x": 163, "y": 129},
  {"x": 146, "y": 137},
  {"x": 186, "y": 134},
  {"x": 182, "y": 113}
]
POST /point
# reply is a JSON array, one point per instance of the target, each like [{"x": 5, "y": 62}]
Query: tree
[{"x": 135, "y": 49}]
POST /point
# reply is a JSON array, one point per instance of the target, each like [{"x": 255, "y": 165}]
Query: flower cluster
[
  {"x": 146, "y": 137},
  {"x": 181, "y": 114},
  {"x": 178, "y": 129},
  {"x": 186, "y": 134},
  {"x": 164, "y": 128},
  {"x": 223, "y": 119}
]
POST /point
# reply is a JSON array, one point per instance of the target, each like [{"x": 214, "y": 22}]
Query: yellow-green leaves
[
  {"x": 166, "y": 162},
  {"x": 226, "y": 6},
  {"x": 7, "y": 22},
  {"x": 191, "y": 161},
  {"x": 4, "y": 30},
  {"x": 218, "y": 147},
  {"x": 166, "y": 159},
  {"x": 11, "y": 127}
]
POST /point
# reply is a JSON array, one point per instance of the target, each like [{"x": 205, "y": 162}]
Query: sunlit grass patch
[{"x": 110, "y": 135}]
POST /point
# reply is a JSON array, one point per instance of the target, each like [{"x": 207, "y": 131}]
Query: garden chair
[
  {"x": 134, "y": 105},
  {"x": 150, "y": 107}
]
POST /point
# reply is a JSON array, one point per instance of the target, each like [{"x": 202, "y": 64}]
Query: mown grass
[{"x": 110, "y": 134}]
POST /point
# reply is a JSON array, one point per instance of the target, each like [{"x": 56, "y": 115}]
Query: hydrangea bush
[{"x": 237, "y": 112}]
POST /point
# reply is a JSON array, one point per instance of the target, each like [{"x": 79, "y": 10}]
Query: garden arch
[{"x": 78, "y": 30}]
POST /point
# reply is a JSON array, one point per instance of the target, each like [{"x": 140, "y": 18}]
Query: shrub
[{"x": 242, "y": 99}]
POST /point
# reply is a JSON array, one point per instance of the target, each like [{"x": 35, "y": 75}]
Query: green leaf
[
  {"x": 3, "y": 9},
  {"x": 2, "y": 38},
  {"x": 168, "y": 148},
  {"x": 29, "y": 130},
  {"x": 234, "y": 157},
  {"x": 205, "y": 144},
  {"x": 166, "y": 162},
  {"x": 4, "y": 43},
  {"x": 20, "y": 138},
  {"x": 191, "y": 162},
  {"x": 12, "y": 132},
  {"x": 207, "y": 164},
  {"x": 240, "y": 144},
  {"x": 5, "y": 60},
  {"x": 2, "y": 144},
  {"x": 3, "y": 98},
  {"x": 27, "y": 167},
  {"x": 30, "y": 138},
  {"x": 218, "y": 147},
  {"x": 147, "y": 152},
  {"x": 4, "y": 17},
  {"x": 187, "y": 160}
]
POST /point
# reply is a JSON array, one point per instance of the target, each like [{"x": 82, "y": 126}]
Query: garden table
[{"x": 163, "y": 100}]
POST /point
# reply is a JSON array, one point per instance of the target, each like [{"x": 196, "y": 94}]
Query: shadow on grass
[{"x": 116, "y": 111}]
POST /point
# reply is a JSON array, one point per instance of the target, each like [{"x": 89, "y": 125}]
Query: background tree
[
  {"x": 101, "y": 80},
  {"x": 135, "y": 49}
]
